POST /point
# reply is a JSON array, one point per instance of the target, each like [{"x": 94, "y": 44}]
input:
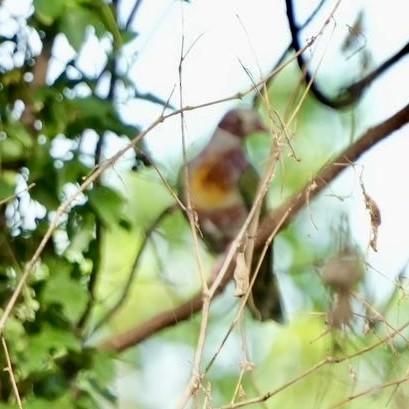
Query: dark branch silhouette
[
  {"x": 351, "y": 93},
  {"x": 256, "y": 99}
]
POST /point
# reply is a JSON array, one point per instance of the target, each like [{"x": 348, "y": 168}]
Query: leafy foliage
[{"x": 46, "y": 332}]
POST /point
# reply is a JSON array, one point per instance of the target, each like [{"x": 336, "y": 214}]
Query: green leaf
[
  {"x": 48, "y": 11},
  {"x": 46, "y": 189},
  {"x": 62, "y": 289},
  {"x": 97, "y": 114},
  {"x": 75, "y": 21},
  {"x": 17, "y": 142},
  {"x": 7, "y": 184},
  {"x": 106, "y": 15},
  {"x": 80, "y": 230},
  {"x": 73, "y": 171},
  {"x": 107, "y": 204}
]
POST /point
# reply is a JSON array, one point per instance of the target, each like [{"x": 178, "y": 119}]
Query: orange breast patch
[{"x": 210, "y": 187}]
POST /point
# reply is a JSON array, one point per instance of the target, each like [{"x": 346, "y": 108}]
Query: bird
[{"x": 222, "y": 184}]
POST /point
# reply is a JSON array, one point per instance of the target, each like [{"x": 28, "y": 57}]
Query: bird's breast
[{"x": 213, "y": 185}]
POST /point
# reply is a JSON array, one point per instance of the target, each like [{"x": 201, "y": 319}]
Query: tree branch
[
  {"x": 350, "y": 94},
  {"x": 132, "y": 14},
  {"x": 184, "y": 311},
  {"x": 370, "y": 138},
  {"x": 256, "y": 99}
]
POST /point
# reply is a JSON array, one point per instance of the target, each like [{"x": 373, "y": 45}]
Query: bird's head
[{"x": 242, "y": 122}]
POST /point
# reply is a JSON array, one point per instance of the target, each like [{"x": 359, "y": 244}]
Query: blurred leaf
[
  {"x": 127, "y": 36},
  {"x": 153, "y": 98},
  {"x": 62, "y": 289},
  {"x": 16, "y": 143},
  {"x": 51, "y": 386},
  {"x": 80, "y": 228},
  {"x": 106, "y": 15},
  {"x": 97, "y": 114},
  {"x": 75, "y": 21},
  {"x": 48, "y": 11},
  {"x": 107, "y": 203},
  {"x": 7, "y": 184},
  {"x": 46, "y": 190},
  {"x": 73, "y": 171}
]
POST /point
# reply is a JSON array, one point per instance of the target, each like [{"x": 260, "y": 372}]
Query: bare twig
[
  {"x": 280, "y": 60},
  {"x": 320, "y": 364},
  {"x": 15, "y": 195},
  {"x": 369, "y": 139},
  {"x": 268, "y": 395},
  {"x": 372, "y": 389},
  {"x": 195, "y": 379},
  {"x": 131, "y": 276},
  {"x": 132, "y": 14},
  {"x": 9, "y": 369}
]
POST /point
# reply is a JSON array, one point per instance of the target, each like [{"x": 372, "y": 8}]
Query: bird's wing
[{"x": 248, "y": 184}]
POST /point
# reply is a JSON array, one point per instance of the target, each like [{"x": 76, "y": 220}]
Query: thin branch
[
  {"x": 371, "y": 390},
  {"x": 15, "y": 195},
  {"x": 195, "y": 379},
  {"x": 268, "y": 395},
  {"x": 356, "y": 89},
  {"x": 346, "y": 158},
  {"x": 268, "y": 225},
  {"x": 134, "y": 269},
  {"x": 320, "y": 364},
  {"x": 9, "y": 369},
  {"x": 281, "y": 59},
  {"x": 132, "y": 14},
  {"x": 350, "y": 94}
]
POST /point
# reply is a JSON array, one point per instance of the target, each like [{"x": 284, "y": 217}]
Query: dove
[{"x": 222, "y": 184}]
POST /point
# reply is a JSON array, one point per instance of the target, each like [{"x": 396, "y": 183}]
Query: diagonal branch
[
  {"x": 287, "y": 211},
  {"x": 350, "y": 94},
  {"x": 369, "y": 139}
]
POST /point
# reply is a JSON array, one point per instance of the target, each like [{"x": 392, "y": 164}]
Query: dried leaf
[
  {"x": 241, "y": 275},
  {"x": 375, "y": 215}
]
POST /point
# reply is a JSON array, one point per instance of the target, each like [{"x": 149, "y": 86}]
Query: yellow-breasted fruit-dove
[{"x": 222, "y": 186}]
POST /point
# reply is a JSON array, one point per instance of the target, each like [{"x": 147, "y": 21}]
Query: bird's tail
[{"x": 265, "y": 302}]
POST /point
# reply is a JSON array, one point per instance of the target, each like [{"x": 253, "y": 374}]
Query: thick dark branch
[
  {"x": 352, "y": 93},
  {"x": 132, "y": 14},
  {"x": 289, "y": 210},
  {"x": 165, "y": 319},
  {"x": 357, "y": 89},
  {"x": 281, "y": 59},
  {"x": 330, "y": 172}
]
